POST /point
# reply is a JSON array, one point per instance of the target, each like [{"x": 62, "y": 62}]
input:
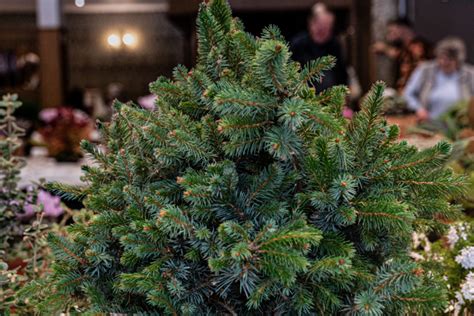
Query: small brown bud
[
  {"x": 337, "y": 140},
  {"x": 122, "y": 151},
  {"x": 179, "y": 180},
  {"x": 342, "y": 261},
  {"x": 278, "y": 48},
  {"x": 163, "y": 213},
  {"x": 343, "y": 184},
  {"x": 292, "y": 113},
  {"x": 190, "y": 73},
  {"x": 275, "y": 146},
  {"x": 205, "y": 93},
  {"x": 225, "y": 71},
  {"x": 187, "y": 193},
  {"x": 341, "y": 132},
  {"x": 306, "y": 246},
  {"x": 172, "y": 133},
  {"x": 220, "y": 128},
  {"x": 386, "y": 161},
  {"x": 418, "y": 271},
  {"x": 146, "y": 228}
]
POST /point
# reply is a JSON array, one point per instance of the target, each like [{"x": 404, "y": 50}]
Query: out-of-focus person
[
  {"x": 438, "y": 84},
  {"x": 404, "y": 47},
  {"x": 318, "y": 41}
]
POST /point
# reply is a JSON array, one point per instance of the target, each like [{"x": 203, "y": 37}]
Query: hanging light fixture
[
  {"x": 114, "y": 40},
  {"x": 80, "y": 3},
  {"x": 129, "y": 39}
]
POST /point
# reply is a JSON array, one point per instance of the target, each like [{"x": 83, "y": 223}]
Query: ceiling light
[
  {"x": 114, "y": 40},
  {"x": 129, "y": 39}
]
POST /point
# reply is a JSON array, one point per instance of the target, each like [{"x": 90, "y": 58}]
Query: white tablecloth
[{"x": 50, "y": 170}]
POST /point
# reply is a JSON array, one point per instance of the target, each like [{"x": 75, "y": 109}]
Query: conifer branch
[{"x": 382, "y": 214}]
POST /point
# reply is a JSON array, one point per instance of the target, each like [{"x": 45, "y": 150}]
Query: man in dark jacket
[{"x": 319, "y": 41}]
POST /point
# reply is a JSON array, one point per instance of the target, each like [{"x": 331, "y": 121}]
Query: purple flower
[
  {"x": 147, "y": 102},
  {"x": 28, "y": 211},
  {"x": 48, "y": 115},
  {"x": 51, "y": 206}
]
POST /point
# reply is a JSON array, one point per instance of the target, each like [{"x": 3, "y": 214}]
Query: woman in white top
[{"x": 436, "y": 85}]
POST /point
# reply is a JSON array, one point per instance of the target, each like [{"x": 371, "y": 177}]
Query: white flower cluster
[
  {"x": 456, "y": 232},
  {"x": 420, "y": 242},
  {"x": 466, "y": 257},
  {"x": 465, "y": 294},
  {"x": 467, "y": 287}
]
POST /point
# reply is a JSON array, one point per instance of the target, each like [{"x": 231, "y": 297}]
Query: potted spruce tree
[{"x": 247, "y": 193}]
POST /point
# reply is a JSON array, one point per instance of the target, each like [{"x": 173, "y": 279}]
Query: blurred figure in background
[
  {"x": 437, "y": 85},
  {"x": 405, "y": 48},
  {"x": 319, "y": 41}
]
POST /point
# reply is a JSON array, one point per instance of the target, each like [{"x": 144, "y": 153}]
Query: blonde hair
[{"x": 453, "y": 48}]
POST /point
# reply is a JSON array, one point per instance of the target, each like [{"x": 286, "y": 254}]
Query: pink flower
[
  {"x": 28, "y": 211},
  {"x": 51, "y": 206},
  {"x": 347, "y": 112},
  {"x": 48, "y": 115},
  {"x": 147, "y": 102}
]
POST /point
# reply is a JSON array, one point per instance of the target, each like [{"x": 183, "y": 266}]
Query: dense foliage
[
  {"x": 246, "y": 192},
  {"x": 24, "y": 253},
  {"x": 11, "y": 197}
]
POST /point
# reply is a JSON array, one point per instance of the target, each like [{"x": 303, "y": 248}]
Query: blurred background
[{"x": 55, "y": 52}]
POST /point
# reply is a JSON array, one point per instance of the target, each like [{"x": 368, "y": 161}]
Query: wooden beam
[
  {"x": 51, "y": 70},
  {"x": 49, "y": 14}
]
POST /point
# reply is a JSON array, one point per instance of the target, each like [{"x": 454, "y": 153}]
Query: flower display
[
  {"x": 63, "y": 130},
  {"x": 466, "y": 258},
  {"x": 452, "y": 258},
  {"x": 467, "y": 289},
  {"x": 456, "y": 232}
]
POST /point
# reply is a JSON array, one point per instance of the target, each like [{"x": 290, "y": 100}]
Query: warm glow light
[
  {"x": 80, "y": 3},
  {"x": 129, "y": 39},
  {"x": 114, "y": 40}
]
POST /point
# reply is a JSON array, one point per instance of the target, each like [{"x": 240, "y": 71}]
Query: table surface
[{"x": 49, "y": 169}]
